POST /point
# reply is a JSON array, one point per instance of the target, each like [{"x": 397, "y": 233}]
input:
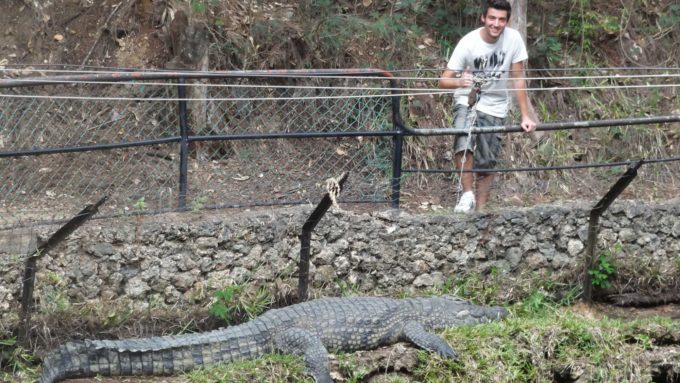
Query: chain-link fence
[
  {"x": 153, "y": 145},
  {"x": 159, "y": 141}
]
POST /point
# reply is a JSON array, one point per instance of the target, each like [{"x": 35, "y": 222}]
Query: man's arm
[
  {"x": 451, "y": 79},
  {"x": 519, "y": 84}
]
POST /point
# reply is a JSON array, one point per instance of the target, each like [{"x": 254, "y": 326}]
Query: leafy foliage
[
  {"x": 237, "y": 303},
  {"x": 14, "y": 359},
  {"x": 603, "y": 272}
]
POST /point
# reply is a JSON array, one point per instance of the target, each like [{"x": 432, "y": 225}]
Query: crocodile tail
[
  {"x": 164, "y": 355},
  {"x": 61, "y": 363}
]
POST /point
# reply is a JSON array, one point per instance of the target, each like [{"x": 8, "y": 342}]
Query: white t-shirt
[{"x": 492, "y": 62}]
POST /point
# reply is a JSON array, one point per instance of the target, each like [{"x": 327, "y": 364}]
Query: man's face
[{"x": 494, "y": 23}]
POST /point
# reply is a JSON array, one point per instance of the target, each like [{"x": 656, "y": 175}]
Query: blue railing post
[{"x": 183, "y": 143}]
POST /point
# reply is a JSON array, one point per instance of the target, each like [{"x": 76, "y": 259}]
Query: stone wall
[{"x": 185, "y": 257}]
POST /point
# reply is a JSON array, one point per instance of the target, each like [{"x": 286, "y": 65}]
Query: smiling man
[{"x": 485, "y": 57}]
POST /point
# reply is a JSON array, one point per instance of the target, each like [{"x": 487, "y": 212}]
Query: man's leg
[
  {"x": 466, "y": 203},
  {"x": 488, "y": 150},
  {"x": 464, "y": 159}
]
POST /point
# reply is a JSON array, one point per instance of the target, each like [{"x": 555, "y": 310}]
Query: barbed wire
[
  {"x": 56, "y": 80},
  {"x": 113, "y": 70},
  {"x": 412, "y": 92},
  {"x": 616, "y": 77}
]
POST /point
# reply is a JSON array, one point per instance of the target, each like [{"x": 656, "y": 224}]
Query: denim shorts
[{"x": 485, "y": 147}]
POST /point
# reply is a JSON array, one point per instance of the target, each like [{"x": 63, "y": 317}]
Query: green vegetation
[
  {"x": 140, "y": 204},
  {"x": 542, "y": 339},
  {"x": 15, "y": 361},
  {"x": 545, "y": 336},
  {"x": 198, "y": 203},
  {"x": 273, "y": 368},
  {"x": 237, "y": 303},
  {"x": 603, "y": 271},
  {"x": 54, "y": 298},
  {"x": 351, "y": 368},
  {"x": 539, "y": 345}
]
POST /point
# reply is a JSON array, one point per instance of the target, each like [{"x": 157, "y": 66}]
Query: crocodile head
[{"x": 448, "y": 311}]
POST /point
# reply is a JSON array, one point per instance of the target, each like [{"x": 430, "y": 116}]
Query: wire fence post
[
  {"x": 306, "y": 237},
  {"x": 594, "y": 225},
  {"x": 183, "y": 144},
  {"x": 37, "y": 250}
]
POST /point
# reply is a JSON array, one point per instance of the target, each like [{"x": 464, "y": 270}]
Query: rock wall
[{"x": 173, "y": 258}]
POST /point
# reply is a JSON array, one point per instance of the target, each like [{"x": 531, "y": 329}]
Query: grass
[
  {"x": 15, "y": 361},
  {"x": 544, "y": 339},
  {"x": 240, "y": 302},
  {"x": 537, "y": 346},
  {"x": 273, "y": 368},
  {"x": 540, "y": 341}
]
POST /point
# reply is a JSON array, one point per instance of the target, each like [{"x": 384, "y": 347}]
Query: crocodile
[{"x": 310, "y": 329}]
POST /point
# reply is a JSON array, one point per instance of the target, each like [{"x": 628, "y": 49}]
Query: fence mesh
[{"x": 227, "y": 164}]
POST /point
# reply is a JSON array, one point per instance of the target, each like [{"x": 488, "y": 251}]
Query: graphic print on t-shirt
[{"x": 489, "y": 67}]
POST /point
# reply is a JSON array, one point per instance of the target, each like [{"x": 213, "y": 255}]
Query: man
[{"x": 488, "y": 56}]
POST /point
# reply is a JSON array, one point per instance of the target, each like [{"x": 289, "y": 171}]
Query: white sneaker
[{"x": 466, "y": 203}]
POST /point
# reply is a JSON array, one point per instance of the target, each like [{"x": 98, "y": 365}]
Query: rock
[
  {"x": 172, "y": 296},
  {"x": 325, "y": 257},
  {"x": 184, "y": 281},
  {"x": 341, "y": 265},
  {"x": 424, "y": 280},
  {"x": 514, "y": 256},
  {"x": 627, "y": 235},
  {"x": 136, "y": 288},
  {"x": 574, "y": 247},
  {"x": 325, "y": 274},
  {"x": 528, "y": 243},
  {"x": 535, "y": 261},
  {"x": 102, "y": 250},
  {"x": 5, "y": 298},
  {"x": 676, "y": 229},
  {"x": 206, "y": 242}
]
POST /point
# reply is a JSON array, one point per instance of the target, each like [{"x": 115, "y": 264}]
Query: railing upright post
[
  {"x": 397, "y": 145},
  {"x": 184, "y": 143}
]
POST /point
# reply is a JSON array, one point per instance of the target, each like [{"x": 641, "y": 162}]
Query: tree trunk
[{"x": 518, "y": 20}]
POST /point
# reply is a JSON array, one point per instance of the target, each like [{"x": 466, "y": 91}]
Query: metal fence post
[
  {"x": 594, "y": 225},
  {"x": 398, "y": 144},
  {"x": 306, "y": 238},
  {"x": 184, "y": 143}
]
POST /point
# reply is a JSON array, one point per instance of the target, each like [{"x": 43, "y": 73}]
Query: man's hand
[
  {"x": 452, "y": 80},
  {"x": 466, "y": 79},
  {"x": 528, "y": 125}
]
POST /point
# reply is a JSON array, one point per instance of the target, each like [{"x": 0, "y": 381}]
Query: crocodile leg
[
  {"x": 297, "y": 341},
  {"x": 415, "y": 333}
]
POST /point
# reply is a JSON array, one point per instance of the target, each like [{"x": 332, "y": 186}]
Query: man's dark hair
[{"x": 502, "y": 5}]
